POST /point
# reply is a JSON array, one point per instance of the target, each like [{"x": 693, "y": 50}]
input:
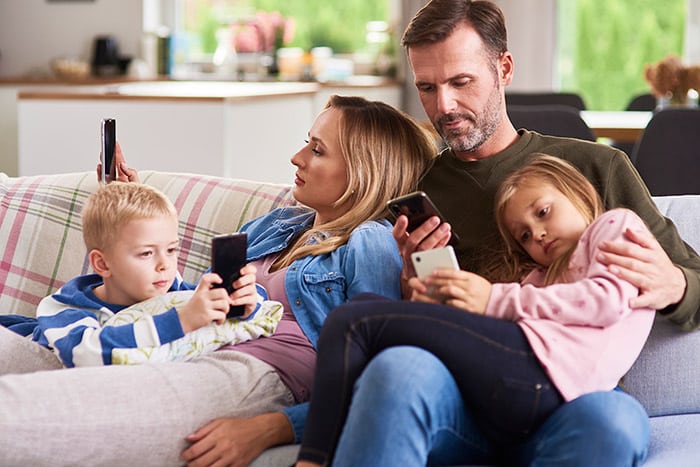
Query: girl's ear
[{"x": 99, "y": 263}]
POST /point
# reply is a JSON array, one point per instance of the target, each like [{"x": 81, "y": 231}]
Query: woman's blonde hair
[
  {"x": 565, "y": 178},
  {"x": 114, "y": 205},
  {"x": 386, "y": 152}
]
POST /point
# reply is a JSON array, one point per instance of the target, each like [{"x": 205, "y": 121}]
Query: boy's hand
[
  {"x": 206, "y": 305},
  {"x": 245, "y": 292}
]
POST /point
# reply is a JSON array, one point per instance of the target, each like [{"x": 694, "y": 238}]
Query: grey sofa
[{"x": 43, "y": 248}]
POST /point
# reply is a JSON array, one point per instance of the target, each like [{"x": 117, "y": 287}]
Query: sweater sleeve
[
  {"x": 595, "y": 297},
  {"x": 625, "y": 188}
]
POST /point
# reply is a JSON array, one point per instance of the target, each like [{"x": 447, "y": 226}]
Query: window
[
  {"x": 357, "y": 28},
  {"x": 604, "y": 45}
]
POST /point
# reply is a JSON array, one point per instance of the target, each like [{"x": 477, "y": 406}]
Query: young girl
[{"x": 516, "y": 350}]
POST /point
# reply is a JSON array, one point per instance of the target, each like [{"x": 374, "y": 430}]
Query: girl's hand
[
  {"x": 460, "y": 289},
  {"x": 206, "y": 305},
  {"x": 245, "y": 292}
]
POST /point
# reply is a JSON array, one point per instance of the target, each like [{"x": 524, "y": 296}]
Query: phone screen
[
  {"x": 109, "y": 140},
  {"x": 228, "y": 256}
]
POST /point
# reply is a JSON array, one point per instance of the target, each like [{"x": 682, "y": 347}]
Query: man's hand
[
  {"x": 644, "y": 263},
  {"x": 236, "y": 442},
  {"x": 425, "y": 237}
]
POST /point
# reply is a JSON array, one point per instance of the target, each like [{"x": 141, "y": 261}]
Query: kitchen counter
[{"x": 226, "y": 128}]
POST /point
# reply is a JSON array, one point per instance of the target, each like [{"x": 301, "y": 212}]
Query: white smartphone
[{"x": 425, "y": 262}]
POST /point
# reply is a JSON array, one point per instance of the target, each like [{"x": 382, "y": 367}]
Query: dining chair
[
  {"x": 645, "y": 101},
  {"x": 546, "y": 98},
  {"x": 554, "y": 120},
  {"x": 667, "y": 156},
  {"x": 640, "y": 102}
]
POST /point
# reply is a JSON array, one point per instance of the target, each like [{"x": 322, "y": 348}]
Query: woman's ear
[{"x": 99, "y": 263}]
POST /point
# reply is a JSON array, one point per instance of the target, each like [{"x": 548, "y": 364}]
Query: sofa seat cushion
[{"x": 674, "y": 441}]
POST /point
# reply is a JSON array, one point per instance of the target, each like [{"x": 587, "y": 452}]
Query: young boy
[{"x": 131, "y": 234}]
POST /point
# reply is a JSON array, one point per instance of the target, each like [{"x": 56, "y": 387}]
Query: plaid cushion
[{"x": 42, "y": 236}]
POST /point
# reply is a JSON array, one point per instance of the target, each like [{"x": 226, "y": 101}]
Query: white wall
[{"x": 33, "y": 32}]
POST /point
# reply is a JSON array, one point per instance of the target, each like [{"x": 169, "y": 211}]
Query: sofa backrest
[
  {"x": 666, "y": 377},
  {"x": 40, "y": 226}
]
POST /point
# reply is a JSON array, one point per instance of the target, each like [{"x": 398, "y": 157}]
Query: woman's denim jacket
[{"x": 368, "y": 262}]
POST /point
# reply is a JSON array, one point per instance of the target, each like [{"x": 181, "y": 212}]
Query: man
[{"x": 406, "y": 408}]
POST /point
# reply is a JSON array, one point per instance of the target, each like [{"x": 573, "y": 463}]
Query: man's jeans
[{"x": 407, "y": 411}]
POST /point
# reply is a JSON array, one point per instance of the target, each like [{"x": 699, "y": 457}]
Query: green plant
[{"x": 604, "y": 46}]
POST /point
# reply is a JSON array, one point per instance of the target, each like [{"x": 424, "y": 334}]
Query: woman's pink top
[{"x": 583, "y": 331}]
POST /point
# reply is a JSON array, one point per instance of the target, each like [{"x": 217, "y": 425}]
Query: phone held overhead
[{"x": 108, "y": 133}]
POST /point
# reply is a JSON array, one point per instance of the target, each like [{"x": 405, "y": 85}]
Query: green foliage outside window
[
  {"x": 339, "y": 24},
  {"x": 604, "y": 45}
]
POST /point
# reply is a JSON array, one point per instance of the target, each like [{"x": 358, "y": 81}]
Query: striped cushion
[{"x": 42, "y": 238}]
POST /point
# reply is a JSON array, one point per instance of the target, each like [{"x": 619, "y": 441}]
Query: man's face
[{"x": 460, "y": 88}]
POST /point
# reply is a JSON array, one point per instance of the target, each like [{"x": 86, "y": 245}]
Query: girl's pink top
[{"x": 583, "y": 331}]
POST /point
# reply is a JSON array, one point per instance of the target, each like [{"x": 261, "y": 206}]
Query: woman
[{"x": 359, "y": 155}]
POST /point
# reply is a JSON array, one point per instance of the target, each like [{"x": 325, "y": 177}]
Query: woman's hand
[
  {"x": 644, "y": 263},
  {"x": 460, "y": 289},
  {"x": 236, "y": 442},
  {"x": 125, "y": 173}
]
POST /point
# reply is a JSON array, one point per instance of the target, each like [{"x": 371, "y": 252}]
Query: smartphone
[
  {"x": 425, "y": 262},
  {"x": 418, "y": 207},
  {"x": 228, "y": 256},
  {"x": 109, "y": 139}
]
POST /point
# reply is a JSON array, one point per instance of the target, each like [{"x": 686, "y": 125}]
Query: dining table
[{"x": 624, "y": 126}]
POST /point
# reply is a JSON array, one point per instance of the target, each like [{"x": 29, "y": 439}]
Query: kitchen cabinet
[{"x": 231, "y": 129}]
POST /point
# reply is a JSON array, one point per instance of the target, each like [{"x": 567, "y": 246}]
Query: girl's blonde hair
[
  {"x": 114, "y": 205},
  {"x": 565, "y": 178},
  {"x": 386, "y": 152}
]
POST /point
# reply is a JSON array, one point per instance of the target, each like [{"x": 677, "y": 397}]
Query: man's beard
[{"x": 484, "y": 125}]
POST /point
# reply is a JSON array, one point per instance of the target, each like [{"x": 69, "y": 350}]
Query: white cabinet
[{"x": 230, "y": 129}]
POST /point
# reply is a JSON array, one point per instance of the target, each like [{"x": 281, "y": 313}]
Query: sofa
[{"x": 43, "y": 248}]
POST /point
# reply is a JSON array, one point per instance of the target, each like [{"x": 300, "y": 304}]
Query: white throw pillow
[{"x": 203, "y": 340}]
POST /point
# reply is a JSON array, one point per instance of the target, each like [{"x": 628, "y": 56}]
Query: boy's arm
[{"x": 79, "y": 339}]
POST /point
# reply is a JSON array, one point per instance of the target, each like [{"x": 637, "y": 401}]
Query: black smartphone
[
  {"x": 109, "y": 140},
  {"x": 418, "y": 207},
  {"x": 228, "y": 256}
]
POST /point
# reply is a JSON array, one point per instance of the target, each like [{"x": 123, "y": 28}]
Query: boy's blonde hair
[
  {"x": 562, "y": 176},
  {"x": 114, "y": 205}
]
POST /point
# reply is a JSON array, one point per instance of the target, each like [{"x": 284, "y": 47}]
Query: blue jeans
[{"x": 407, "y": 410}]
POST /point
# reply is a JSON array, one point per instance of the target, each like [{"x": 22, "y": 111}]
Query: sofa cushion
[
  {"x": 674, "y": 441},
  {"x": 40, "y": 222}
]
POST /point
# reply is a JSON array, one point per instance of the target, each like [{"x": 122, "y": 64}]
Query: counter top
[{"x": 194, "y": 90}]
